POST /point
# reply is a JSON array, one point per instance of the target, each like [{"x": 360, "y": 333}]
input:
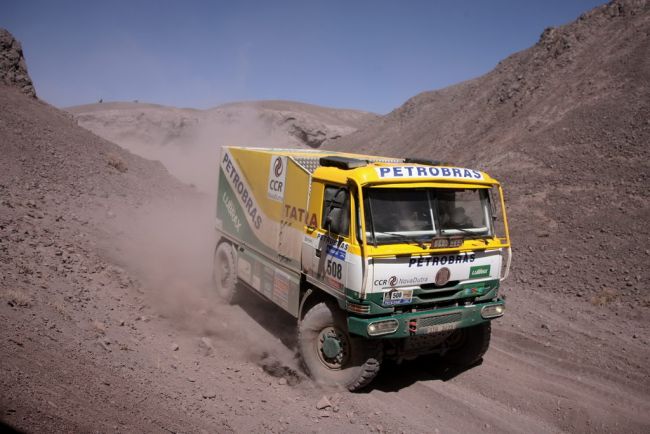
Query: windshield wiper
[
  {"x": 475, "y": 236},
  {"x": 404, "y": 238}
]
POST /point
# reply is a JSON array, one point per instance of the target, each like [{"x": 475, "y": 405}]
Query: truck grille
[
  {"x": 439, "y": 295},
  {"x": 439, "y": 319}
]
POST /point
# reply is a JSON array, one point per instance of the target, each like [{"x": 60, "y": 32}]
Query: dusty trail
[
  {"x": 546, "y": 382},
  {"x": 511, "y": 390}
]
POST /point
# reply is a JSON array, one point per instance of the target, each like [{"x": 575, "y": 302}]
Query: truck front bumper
[{"x": 403, "y": 325}]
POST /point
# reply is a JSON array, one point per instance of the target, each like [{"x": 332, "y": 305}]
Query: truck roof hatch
[
  {"x": 424, "y": 161},
  {"x": 345, "y": 163}
]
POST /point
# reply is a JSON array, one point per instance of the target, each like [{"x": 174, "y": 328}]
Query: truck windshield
[{"x": 397, "y": 215}]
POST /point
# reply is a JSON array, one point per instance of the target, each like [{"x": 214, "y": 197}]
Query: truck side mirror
[{"x": 333, "y": 220}]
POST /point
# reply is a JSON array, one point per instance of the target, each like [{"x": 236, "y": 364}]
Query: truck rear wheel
[
  {"x": 468, "y": 345},
  {"x": 331, "y": 356},
  {"x": 224, "y": 273}
]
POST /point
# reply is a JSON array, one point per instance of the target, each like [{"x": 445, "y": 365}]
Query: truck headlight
[
  {"x": 379, "y": 328},
  {"x": 493, "y": 311},
  {"x": 456, "y": 241},
  {"x": 439, "y": 243}
]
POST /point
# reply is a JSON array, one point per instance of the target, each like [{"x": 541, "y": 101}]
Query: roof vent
[
  {"x": 344, "y": 163},
  {"x": 423, "y": 161}
]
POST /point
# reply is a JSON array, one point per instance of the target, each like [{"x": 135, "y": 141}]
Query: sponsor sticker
[
  {"x": 396, "y": 297},
  {"x": 426, "y": 261},
  {"x": 277, "y": 178},
  {"x": 394, "y": 281},
  {"x": 334, "y": 248},
  {"x": 281, "y": 285},
  {"x": 242, "y": 190},
  {"x": 244, "y": 269},
  {"x": 336, "y": 252},
  {"x": 477, "y": 290},
  {"x": 232, "y": 212},
  {"x": 427, "y": 172},
  {"x": 479, "y": 271}
]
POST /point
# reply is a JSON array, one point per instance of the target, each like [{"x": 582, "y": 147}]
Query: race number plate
[{"x": 396, "y": 296}]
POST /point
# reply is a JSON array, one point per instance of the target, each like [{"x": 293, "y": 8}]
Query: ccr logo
[
  {"x": 275, "y": 185},
  {"x": 277, "y": 178},
  {"x": 391, "y": 281},
  {"x": 278, "y": 167}
]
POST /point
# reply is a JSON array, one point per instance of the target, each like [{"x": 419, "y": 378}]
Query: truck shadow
[
  {"x": 394, "y": 377},
  {"x": 391, "y": 378}
]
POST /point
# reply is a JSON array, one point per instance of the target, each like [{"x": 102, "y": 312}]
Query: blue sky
[{"x": 364, "y": 54}]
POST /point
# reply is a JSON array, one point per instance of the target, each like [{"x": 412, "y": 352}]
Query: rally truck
[{"x": 376, "y": 258}]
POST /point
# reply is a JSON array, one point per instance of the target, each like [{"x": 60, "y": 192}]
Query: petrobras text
[{"x": 427, "y": 172}]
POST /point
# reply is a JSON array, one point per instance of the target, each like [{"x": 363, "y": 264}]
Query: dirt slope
[
  {"x": 565, "y": 125},
  {"x": 182, "y": 137}
]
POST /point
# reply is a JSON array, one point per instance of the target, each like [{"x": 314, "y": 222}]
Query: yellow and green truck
[{"x": 377, "y": 258}]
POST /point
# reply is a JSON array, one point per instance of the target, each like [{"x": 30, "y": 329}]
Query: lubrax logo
[
  {"x": 479, "y": 271},
  {"x": 427, "y": 261},
  {"x": 232, "y": 212}
]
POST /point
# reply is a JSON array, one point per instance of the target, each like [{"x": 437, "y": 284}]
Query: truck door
[
  {"x": 295, "y": 215},
  {"x": 332, "y": 241}
]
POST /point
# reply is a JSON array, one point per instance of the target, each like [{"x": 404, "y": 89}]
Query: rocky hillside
[
  {"x": 294, "y": 123},
  {"x": 13, "y": 69},
  {"x": 187, "y": 141},
  {"x": 565, "y": 125}
]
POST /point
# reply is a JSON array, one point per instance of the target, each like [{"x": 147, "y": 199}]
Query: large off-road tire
[
  {"x": 224, "y": 273},
  {"x": 468, "y": 345},
  {"x": 332, "y": 356}
]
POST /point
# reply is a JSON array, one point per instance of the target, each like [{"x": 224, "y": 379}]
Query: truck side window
[{"x": 336, "y": 210}]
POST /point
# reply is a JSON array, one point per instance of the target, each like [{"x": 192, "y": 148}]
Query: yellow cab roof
[{"x": 384, "y": 171}]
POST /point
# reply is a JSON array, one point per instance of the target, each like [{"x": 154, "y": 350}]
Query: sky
[{"x": 368, "y": 55}]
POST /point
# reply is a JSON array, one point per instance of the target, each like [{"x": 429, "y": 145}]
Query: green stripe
[{"x": 233, "y": 218}]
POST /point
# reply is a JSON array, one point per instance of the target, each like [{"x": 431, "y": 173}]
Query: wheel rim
[
  {"x": 333, "y": 348},
  {"x": 224, "y": 271}
]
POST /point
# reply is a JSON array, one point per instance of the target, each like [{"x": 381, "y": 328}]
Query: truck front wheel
[
  {"x": 468, "y": 345},
  {"x": 330, "y": 355},
  {"x": 224, "y": 273}
]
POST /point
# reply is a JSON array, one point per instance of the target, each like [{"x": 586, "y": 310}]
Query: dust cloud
[
  {"x": 169, "y": 243},
  {"x": 190, "y": 150},
  {"x": 168, "y": 246}
]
